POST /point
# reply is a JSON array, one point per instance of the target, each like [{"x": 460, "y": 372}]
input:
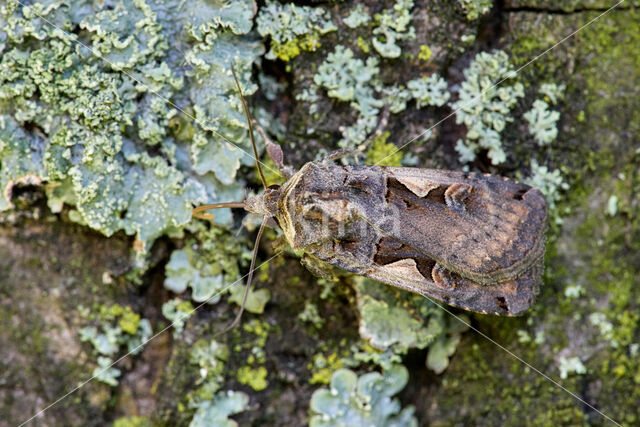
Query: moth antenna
[
  {"x": 236, "y": 321},
  {"x": 253, "y": 140},
  {"x": 195, "y": 213}
]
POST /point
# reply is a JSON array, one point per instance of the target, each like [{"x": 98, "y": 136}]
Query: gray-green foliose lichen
[
  {"x": 177, "y": 312},
  {"x": 118, "y": 327},
  {"x": 362, "y": 401},
  {"x": 99, "y": 122},
  {"x": 216, "y": 412},
  {"x": 483, "y": 106},
  {"x": 396, "y": 321},
  {"x": 392, "y": 26},
  {"x": 292, "y": 28},
  {"x": 357, "y": 81},
  {"x": 473, "y": 9},
  {"x": 208, "y": 264}
]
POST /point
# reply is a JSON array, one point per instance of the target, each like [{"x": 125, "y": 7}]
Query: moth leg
[
  {"x": 319, "y": 268},
  {"x": 340, "y": 154},
  {"x": 456, "y": 195},
  {"x": 275, "y": 152}
]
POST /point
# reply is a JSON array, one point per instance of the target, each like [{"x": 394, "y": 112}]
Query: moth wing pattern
[
  {"x": 411, "y": 273},
  {"x": 488, "y": 229},
  {"x": 470, "y": 240}
]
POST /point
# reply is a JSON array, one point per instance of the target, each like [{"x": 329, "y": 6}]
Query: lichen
[
  {"x": 208, "y": 268},
  {"x": 425, "y": 53},
  {"x": 383, "y": 153},
  {"x": 133, "y": 421},
  {"x": 484, "y": 107},
  {"x": 292, "y": 29},
  {"x": 542, "y": 122},
  {"x": 396, "y": 321},
  {"x": 358, "y": 16},
  {"x": 256, "y": 300},
  {"x": 430, "y": 90},
  {"x": 216, "y": 412},
  {"x": 253, "y": 371},
  {"x": 574, "y": 291},
  {"x": 605, "y": 327},
  {"x": 311, "y": 315},
  {"x": 254, "y": 378},
  {"x": 552, "y": 92},
  {"x": 105, "y": 373},
  {"x": 396, "y": 97},
  {"x": 473, "y": 9},
  {"x": 84, "y": 121},
  {"x": 362, "y": 401},
  {"x": 551, "y": 183},
  {"x": 570, "y": 365},
  {"x": 322, "y": 367},
  {"x": 118, "y": 326},
  {"x": 177, "y": 312},
  {"x": 350, "y": 79},
  {"x": 391, "y": 27},
  {"x": 210, "y": 357}
]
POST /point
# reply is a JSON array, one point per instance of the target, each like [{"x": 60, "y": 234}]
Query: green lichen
[
  {"x": 396, "y": 321},
  {"x": 253, "y": 372},
  {"x": 84, "y": 121},
  {"x": 256, "y": 300},
  {"x": 552, "y": 92},
  {"x": 570, "y": 365},
  {"x": 322, "y": 367},
  {"x": 483, "y": 107},
  {"x": 383, "y": 153},
  {"x": 473, "y": 9},
  {"x": 216, "y": 412},
  {"x": 105, "y": 373},
  {"x": 362, "y": 401},
  {"x": 430, "y": 90},
  {"x": 363, "y": 352},
  {"x": 358, "y": 16},
  {"x": 604, "y": 326},
  {"x": 425, "y": 53},
  {"x": 350, "y": 79},
  {"x": 133, "y": 421},
  {"x": 551, "y": 183},
  {"x": 311, "y": 315},
  {"x": 542, "y": 122},
  {"x": 254, "y": 378},
  {"x": 208, "y": 268},
  {"x": 210, "y": 358},
  {"x": 118, "y": 327},
  {"x": 574, "y": 291},
  {"x": 396, "y": 97},
  {"x": 292, "y": 29},
  {"x": 177, "y": 312},
  {"x": 391, "y": 27}
]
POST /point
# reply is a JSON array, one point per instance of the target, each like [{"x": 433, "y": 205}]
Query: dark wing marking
[
  {"x": 487, "y": 229},
  {"x": 406, "y": 269}
]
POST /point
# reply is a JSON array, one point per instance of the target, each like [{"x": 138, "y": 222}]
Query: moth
[{"x": 470, "y": 240}]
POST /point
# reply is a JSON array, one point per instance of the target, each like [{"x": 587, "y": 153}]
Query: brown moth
[{"x": 470, "y": 240}]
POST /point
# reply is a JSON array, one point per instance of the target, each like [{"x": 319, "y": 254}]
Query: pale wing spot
[
  {"x": 418, "y": 186},
  {"x": 405, "y": 268}
]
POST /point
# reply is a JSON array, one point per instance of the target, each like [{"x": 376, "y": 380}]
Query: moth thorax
[{"x": 265, "y": 203}]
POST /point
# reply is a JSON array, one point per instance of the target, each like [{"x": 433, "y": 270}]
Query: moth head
[{"x": 265, "y": 203}]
